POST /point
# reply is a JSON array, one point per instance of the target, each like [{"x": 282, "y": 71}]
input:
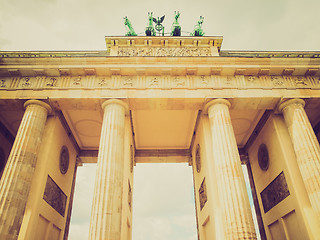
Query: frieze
[
  {"x": 53, "y": 54},
  {"x": 161, "y": 82},
  {"x": 164, "y": 52}
]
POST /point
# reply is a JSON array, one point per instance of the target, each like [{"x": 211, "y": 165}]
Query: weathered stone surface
[
  {"x": 108, "y": 191},
  {"x": 17, "y": 176},
  {"x": 238, "y": 223},
  {"x": 306, "y": 147}
]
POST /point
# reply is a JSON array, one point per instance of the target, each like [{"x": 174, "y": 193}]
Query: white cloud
[
  {"x": 163, "y": 203},
  {"x": 81, "y": 25}
]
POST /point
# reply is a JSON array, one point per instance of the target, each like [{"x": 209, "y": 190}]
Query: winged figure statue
[{"x": 159, "y": 27}]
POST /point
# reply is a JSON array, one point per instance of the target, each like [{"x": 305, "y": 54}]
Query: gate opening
[{"x": 163, "y": 202}]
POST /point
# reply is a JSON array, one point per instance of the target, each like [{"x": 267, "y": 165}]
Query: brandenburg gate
[{"x": 161, "y": 99}]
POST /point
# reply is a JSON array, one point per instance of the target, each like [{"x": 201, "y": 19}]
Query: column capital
[
  {"x": 40, "y": 103},
  {"x": 214, "y": 102},
  {"x": 284, "y": 104},
  {"x": 116, "y": 101}
]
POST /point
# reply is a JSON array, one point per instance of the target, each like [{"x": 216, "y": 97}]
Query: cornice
[
  {"x": 103, "y": 54},
  {"x": 271, "y": 54}
]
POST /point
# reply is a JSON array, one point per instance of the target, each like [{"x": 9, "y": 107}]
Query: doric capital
[
  {"x": 214, "y": 102},
  {"x": 40, "y": 103},
  {"x": 116, "y": 101},
  {"x": 284, "y": 104}
]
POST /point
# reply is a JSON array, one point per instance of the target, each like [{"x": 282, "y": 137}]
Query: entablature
[{"x": 165, "y": 82}]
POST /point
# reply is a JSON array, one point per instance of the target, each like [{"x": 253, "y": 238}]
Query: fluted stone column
[
  {"x": 238, "y": 223},
  {"x": 106, "y": 212},
  {"x": 17, "y": 176},
  {"x": 306, "y": 147}
]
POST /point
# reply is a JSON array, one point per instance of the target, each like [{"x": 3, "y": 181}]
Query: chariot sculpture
[{"x": 156, "y": 28}]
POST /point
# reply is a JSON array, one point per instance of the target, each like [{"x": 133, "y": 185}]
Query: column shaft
[
  {"x": 306, "y": 147},
  {"x": 107, "y": 202},
  {"x": 238, "y": 223},
  {"x": 17, "y": 176}
]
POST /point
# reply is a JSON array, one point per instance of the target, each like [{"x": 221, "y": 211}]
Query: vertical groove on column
[
  {"x": 17, "y": 177},
  {"x": 306, "y": 147},
  {"x": 231, "y": 186},
  {"x": 107, "y": 203}
]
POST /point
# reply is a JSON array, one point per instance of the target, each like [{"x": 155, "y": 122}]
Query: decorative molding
[
  {"x": 263, "y": 157},
  {"x": 161, "y": 82},
  {"x": 53, "y": 54},
  {"x": 64, "y": 160},
  {"x": 261, "y": 54},
  {"x": 69, "y": 54}
]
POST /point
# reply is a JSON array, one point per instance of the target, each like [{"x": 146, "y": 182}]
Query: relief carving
[
  {"x": 51, "y": 82},
  {"x": 275, "y": 192},
  {"x": 103, "y": 82},
  {"x": 229, "y": 80},
  {"x": 64, "y": 160},
  {"x": 252, "y": 80},
  {"x": 198, "y": 159},
  {"x": 263, "y": 157},
  {"x": 204, "y": 81},
  {"x": 300, "y": 81},
  {"x": 77, "y": 81},
  {"x": 127, "y": 81},
  {"x": 154, "y": 82},
  {"x": 202, "y": 194},
  {"x": 55, "y": 197},
  {"x": 26, "y": 82},
  {"x": 186, "y": 81},
  {"x": 160, "y": 51},
  {"x": 3, "y": 83},
  {"x": 178, "y": 82},
  {"x": 277, "y": 81}
]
